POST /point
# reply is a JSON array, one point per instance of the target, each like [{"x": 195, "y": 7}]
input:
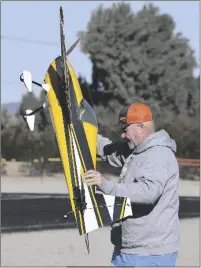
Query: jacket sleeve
[
  {"x": 113, "y": 153},
  {"x": 146, "y": 190}
]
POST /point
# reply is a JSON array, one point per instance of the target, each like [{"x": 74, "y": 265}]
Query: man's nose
[{"x": 123, "y": 135}]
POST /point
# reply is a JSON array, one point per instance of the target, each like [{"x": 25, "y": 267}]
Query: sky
[{"x": 39, "y": 20}]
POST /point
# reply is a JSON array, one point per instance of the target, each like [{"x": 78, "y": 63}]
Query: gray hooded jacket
[{"x": 150, "y": 179}]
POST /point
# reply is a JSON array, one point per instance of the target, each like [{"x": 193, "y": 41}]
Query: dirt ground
[
  {"x": 57, "y": 184},
  {"x": 67, "y": 248}
]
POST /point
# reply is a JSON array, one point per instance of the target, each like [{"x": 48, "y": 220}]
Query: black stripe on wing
[
  {"x": 88, "y": 163},
  {"x": 61, "y": 98},
  {"x": 117, "y": 208}
]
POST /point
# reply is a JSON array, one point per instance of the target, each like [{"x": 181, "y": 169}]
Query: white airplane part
[
  {"x": 46, "y": 87},
  {"x": 30, "y": 119},
  {"x": 27, "y": 80}
]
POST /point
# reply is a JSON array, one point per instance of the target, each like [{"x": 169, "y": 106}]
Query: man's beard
[{"x": 131, "y": 144}]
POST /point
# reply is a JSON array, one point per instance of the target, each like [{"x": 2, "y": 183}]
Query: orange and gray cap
[{"x": 134, "y": 113}]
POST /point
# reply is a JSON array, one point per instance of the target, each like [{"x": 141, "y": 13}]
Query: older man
[{"x": 150, "y": 179}]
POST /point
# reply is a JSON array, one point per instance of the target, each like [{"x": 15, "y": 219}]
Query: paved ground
[
  {"x": 57, "y": 184},
  {"x": 67, "y": 248}
]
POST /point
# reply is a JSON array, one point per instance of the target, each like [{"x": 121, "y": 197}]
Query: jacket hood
[{"x": 160, "y": 138}]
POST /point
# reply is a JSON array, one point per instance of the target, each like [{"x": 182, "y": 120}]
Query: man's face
[{"x": 134, "y": 134}]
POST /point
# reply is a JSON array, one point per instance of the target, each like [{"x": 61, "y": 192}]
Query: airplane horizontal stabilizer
[
  {"x": 30, "y": 119},
  {"x": 27, "y": 79}
]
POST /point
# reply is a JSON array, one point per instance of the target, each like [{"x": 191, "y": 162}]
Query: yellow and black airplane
[{"x": 75, "y": 127}]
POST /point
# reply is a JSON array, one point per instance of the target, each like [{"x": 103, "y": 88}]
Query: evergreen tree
[{"x": 138, "y": 57}]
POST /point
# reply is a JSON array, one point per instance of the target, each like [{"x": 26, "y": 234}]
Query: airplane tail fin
[{"x": 30, "y": 119}]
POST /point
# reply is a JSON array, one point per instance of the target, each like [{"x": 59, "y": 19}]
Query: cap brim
[{"x": 119, "y": 127}]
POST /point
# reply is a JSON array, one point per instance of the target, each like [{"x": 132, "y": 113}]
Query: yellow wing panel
[{"x": 57, "y": 117}]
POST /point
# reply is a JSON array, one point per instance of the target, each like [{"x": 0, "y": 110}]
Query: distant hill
[{"x": 11, "y": 106}]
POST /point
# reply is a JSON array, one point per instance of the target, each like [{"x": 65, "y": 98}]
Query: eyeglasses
[{"x": 123, "y": 129}]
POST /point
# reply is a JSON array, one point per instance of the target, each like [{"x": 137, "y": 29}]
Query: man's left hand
[{"x": 92, "y": 177}]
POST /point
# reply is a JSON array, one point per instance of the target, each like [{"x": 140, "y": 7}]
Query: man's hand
[{"x": 92, "y": 177}]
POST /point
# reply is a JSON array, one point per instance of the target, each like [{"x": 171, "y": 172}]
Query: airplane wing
[
  {"x": 76, "y": 129},
  {"x": 75, "y": 125}
]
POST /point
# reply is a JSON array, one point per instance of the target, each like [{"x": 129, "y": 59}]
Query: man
[{"x": 150, "y": 179}]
